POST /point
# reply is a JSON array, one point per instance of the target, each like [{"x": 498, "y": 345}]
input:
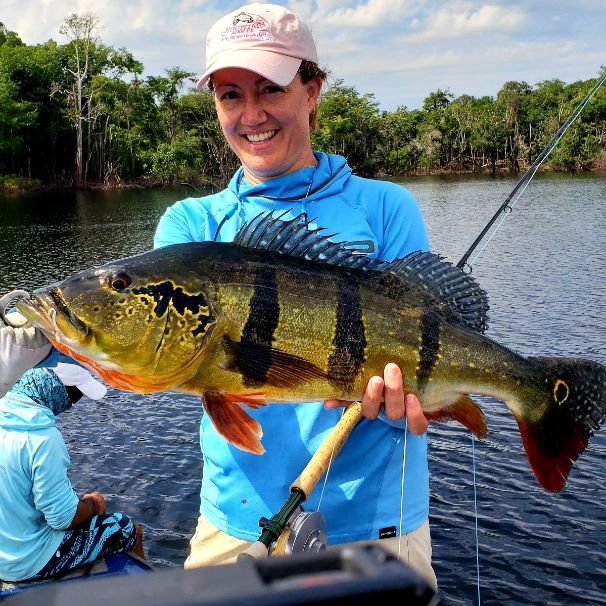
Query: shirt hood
[
  {"x": 18, "y": 412},
  {"x": 295, "y": 190}
]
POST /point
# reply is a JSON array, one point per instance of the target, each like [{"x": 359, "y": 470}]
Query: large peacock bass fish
[{"x": 284, "y": 314}]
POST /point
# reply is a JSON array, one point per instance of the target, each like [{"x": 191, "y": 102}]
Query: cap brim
[{"x": 276, "y": 67}]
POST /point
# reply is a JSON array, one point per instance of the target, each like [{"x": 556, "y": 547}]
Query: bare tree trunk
[{"x": 79, "y": 29}]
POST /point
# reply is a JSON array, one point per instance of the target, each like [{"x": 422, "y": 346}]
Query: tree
[
  {"x": 437, "y": 100},
  {"x": 461, "y": 113},
  {"x": 512, "y": 100},
  {"x": 489, "y": 131},
  {"x": 349, "y": 124},
  {"x": 8, "y": 37},
  {"x": 398, "y": 130},
  {"x": 79, "y": 29},
  {"x": 39, "y": 126},
  {"x": 197, "y": 111}
]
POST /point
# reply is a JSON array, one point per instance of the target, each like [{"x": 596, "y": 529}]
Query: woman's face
[{"x": 266, "y": 125}]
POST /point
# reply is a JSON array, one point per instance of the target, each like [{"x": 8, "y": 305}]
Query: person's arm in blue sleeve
[
  {"x": 403, "y": 228},
  {"x": 173, "y": 228},
  {"x": 54, "y": 495}
]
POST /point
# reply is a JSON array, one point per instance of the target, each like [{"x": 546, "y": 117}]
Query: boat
[
  {"x": 353, "y": 575},
  {"x": 123, "y": 563}
]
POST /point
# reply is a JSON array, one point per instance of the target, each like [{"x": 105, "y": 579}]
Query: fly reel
[
  {"x": 293, "y": 530},
  {"x": 305, "y": 531}
]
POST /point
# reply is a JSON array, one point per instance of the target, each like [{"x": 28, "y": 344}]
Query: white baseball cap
[
  {"x": 266, "y": 39},
  {"x": 73, "y": 374}
]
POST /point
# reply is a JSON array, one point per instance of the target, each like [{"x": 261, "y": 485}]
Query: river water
[{"x": 545, "y": 273}]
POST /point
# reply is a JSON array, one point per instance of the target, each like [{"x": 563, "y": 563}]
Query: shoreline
[{"x": 19, "y": 185}]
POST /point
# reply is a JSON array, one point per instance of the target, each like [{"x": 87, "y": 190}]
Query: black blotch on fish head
[{"x": 166, "y": 294}]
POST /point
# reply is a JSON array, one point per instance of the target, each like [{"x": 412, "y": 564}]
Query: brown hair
[{"x": 309, "y": 70}]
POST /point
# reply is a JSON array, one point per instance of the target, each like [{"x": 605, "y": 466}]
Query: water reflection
[{"x": 545, "y": 273}]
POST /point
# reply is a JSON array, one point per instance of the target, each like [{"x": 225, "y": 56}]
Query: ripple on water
[{"x": 545, "y": 275}]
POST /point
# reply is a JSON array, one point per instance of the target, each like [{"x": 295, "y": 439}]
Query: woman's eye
[
  {"x": 271, "y": 89},
  {"x": 229, "y": 95}
]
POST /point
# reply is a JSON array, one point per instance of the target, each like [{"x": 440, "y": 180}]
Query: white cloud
[
  {"x": 449, "y": 22},
  {"x": 370, "y": 14}
]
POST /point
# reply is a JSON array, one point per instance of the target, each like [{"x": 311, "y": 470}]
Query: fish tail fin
[{"x": 573, "y": 408}]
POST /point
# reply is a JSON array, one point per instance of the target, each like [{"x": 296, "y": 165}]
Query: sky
[{"x": 398, "y": 50}]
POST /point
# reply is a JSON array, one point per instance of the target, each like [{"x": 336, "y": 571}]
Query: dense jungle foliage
[{"x": 80, "y": 113}]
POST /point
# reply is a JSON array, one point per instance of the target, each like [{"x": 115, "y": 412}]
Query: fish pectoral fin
[
  {"x": 232, "y": 421},
  {"x": 465, "y": 411},
  {"x": 260, "y": 364}
]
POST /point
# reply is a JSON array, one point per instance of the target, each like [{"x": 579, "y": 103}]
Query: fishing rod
[
  {"x": 289, "y": 530},
  {"x": 506, "y": 208},
  {"x": 504, "y": 211}
]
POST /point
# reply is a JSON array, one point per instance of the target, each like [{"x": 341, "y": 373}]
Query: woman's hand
[{"x": 389, "y": 391}]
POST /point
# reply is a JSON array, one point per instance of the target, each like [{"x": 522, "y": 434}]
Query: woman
[{"x": 263, "y": 68}]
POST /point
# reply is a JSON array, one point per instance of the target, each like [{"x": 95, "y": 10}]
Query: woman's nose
[{"x": 254, "y": 113}]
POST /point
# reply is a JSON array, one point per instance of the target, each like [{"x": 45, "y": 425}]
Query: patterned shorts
[{"x": 100, "y": 536}]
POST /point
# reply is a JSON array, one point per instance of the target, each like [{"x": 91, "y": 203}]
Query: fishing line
[
  {"x": 332, "y": 452},
  {"x": 506, "y": 208},
  {"x": 475, "y": 508},
  {"x": 402, "y": 492},
  {"x": 503, "y": 213}
]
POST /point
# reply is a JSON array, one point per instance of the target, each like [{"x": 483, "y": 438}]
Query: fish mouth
[{"x": 49, "y": 312}]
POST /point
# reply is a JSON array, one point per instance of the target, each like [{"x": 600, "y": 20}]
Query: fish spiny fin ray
[
  {"x": 448, "y": 283},
  {"x": 232, "y": 421},
  {"x": 466, "y": 303},
  {"x": 575, "y": 407},
  {"x": 296, "y": 237},
  {"x": 465, "y": 411}
]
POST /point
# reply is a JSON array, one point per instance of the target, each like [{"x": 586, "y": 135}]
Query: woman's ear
[{"x": 313, "y": 90}]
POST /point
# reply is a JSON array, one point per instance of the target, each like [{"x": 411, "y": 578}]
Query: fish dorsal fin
[
  {"x": 458, "y": 292},
  {"x": 297, "y": 237}
]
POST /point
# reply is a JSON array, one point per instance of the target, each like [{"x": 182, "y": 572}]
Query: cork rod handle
[{"x": 329, "y": 448}]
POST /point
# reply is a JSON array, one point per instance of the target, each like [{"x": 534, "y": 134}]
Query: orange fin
[
  {"x": 465, "y": 411},
  {"x": 232, "y": 421},
  {"x": 550, "y": 462}
]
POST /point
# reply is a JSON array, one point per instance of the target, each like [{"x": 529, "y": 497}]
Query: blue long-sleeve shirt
[
  {"x": 37, "y": 500},
  {"x": 363, "y": 492}
]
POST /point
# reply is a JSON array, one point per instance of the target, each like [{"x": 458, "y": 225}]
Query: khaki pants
[{"x": 210, "y": 546}]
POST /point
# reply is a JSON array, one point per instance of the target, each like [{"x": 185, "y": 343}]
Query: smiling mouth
[{"x": 259, "y": 137}]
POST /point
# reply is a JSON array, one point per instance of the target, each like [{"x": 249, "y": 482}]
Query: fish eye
[{"x": 119, "y": 281}]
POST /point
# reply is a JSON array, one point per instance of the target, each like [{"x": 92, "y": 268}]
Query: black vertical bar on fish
[
  {"x": 262, "y": 322},
  {"x": 430, "y": 348},
  {"x": 349, "y": 339}
]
